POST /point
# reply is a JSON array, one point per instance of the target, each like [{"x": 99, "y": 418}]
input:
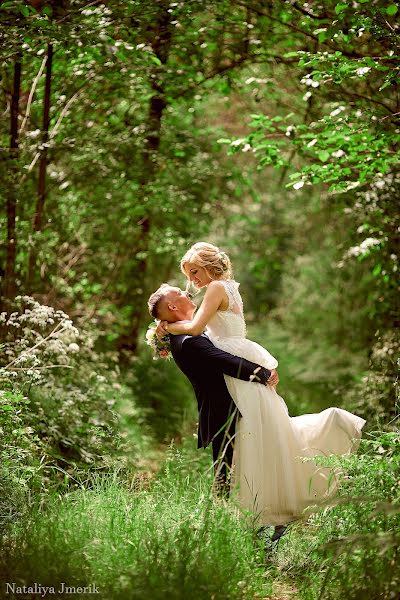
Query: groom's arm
[{"x": 199, "y": 348}]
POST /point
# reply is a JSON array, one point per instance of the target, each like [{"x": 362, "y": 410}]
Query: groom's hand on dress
[{"x": 273, "y": 378}]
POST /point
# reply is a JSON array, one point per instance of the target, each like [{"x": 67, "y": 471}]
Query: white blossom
[
  {"x": 337, "y": 111},
  {"x": 362, "y": 71},
  {"x": 338, "y": 153},
  {"x": 363, "y": 248},
  {"x": 298, "y": 185},
  {"x": 289, "y": 130}
]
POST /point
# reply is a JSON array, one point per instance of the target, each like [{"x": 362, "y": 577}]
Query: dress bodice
[
  {"x": 230, "y": 322},
  {"x": 227, "y": 330}
]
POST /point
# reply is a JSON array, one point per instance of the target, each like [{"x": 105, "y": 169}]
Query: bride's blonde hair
[{"x": 216, "y": 262}]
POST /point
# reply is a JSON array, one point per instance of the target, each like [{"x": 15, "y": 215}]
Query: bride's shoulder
[
  {"x": 229, "y": 283},
  {"x": 215, "y": 288},
  {"x": 216, "y": 284}
]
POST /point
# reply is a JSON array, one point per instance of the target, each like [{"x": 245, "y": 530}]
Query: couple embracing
[{"x": 258, "y": 449}]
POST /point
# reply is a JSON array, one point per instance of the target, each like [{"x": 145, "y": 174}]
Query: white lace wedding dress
[{"x": 269, "y": 477}]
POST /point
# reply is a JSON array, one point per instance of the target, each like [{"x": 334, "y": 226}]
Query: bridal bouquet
[{"x": 161, "y": 347}]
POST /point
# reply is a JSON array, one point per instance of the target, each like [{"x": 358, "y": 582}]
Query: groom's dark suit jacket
[{"x": 205, "y": 365}]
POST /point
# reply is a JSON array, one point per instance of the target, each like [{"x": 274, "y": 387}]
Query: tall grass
[
  {"x": 171, "y": 539},
  {"x": 350, "y": 549}
]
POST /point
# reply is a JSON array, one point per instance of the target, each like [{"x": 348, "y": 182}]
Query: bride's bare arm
[{"x": 213, "y": 298}]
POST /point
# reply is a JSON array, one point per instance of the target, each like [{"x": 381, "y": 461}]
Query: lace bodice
[{"x": 230, "y": 322}]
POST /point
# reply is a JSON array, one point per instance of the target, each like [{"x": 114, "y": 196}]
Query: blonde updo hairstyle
[{"x": 216, "y": 262}]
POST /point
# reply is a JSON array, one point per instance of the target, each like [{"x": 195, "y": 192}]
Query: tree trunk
[
  {"x": 9, "y": 284},
  {"x": 160, "y": 39},
  {"x": 41, "y": 196}
]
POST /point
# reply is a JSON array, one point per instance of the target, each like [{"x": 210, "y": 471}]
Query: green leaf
[
  {"x": 323, "y": 35},
  {"x": 376, "y": 270},
  {"x": 392, "y": 9},
  {"x": 339, "y": 8},
  {"x": 323, "y": 155},
  {"x": 24, "y": 10},
  {"x": 155, "y": 60}
]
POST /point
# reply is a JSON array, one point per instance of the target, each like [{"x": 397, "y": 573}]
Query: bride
[{"x": 269, "y": 475}]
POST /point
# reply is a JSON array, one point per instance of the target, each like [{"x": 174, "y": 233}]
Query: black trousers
[{"x": 222, "y": 447}]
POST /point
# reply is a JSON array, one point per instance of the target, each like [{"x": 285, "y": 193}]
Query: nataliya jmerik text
[{"x": 44, "y": 590}]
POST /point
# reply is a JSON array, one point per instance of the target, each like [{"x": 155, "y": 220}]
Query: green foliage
[
  {"x": 59, "y": 425},
  {"x": 163, "y": 394},
  {"x": 376, "y": 395},
  {"x": 170, "y": 539},
  {"x": 19, "y": 457},
  {"x": 344, "y": 151},
  {"x": 350, "y": 548},
  {"x": 350, "y": 135}
]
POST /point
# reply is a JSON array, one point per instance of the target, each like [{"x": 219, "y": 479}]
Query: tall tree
[
  {"x": 159, "y": 36},
  {"x": 43, "y": 161},
  {"x": 9, "y": 284}
]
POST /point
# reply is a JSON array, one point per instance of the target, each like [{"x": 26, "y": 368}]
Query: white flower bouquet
[{"x": 160, "y": 346}]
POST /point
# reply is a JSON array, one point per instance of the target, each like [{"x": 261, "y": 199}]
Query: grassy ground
[{"x": 169, "y": 537}]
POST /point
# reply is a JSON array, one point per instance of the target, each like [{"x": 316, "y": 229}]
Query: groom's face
[{"x": 176, "y": 306}]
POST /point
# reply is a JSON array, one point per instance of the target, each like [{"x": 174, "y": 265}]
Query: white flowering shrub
[
  {"x": 63, "y": 408},
  {"x": 377, "y": 395},
  {"x": 36, "y": 338}
]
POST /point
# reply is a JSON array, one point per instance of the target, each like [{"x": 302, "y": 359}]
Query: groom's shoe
[
  {"x": 278, "y": 532},
  {"x": 264, "y": 532}
]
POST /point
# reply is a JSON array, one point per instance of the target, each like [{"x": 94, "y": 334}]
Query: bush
[
  {"x": 19, "y": 457},
  {"x": 351, "y": 547},
  {"x": 376, "y": 395},
  {"x": 64, "y": 410}
]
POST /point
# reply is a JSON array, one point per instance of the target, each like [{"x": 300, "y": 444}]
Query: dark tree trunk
[
  {"x": 9, "y": 284},
  {"x": 41, "y": 196},
  {"x": 160, "y": 39}
]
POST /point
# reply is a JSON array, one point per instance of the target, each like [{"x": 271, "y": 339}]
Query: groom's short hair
[{"x": 156, "y": 299}]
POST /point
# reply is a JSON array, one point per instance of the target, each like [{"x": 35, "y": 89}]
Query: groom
[{"x": 205, "y": 365}]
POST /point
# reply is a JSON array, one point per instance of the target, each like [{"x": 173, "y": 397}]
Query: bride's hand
[{"x": 162, "y": 329}]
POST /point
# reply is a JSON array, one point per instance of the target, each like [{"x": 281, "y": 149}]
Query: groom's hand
[{"x": 273, "y": 378}]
